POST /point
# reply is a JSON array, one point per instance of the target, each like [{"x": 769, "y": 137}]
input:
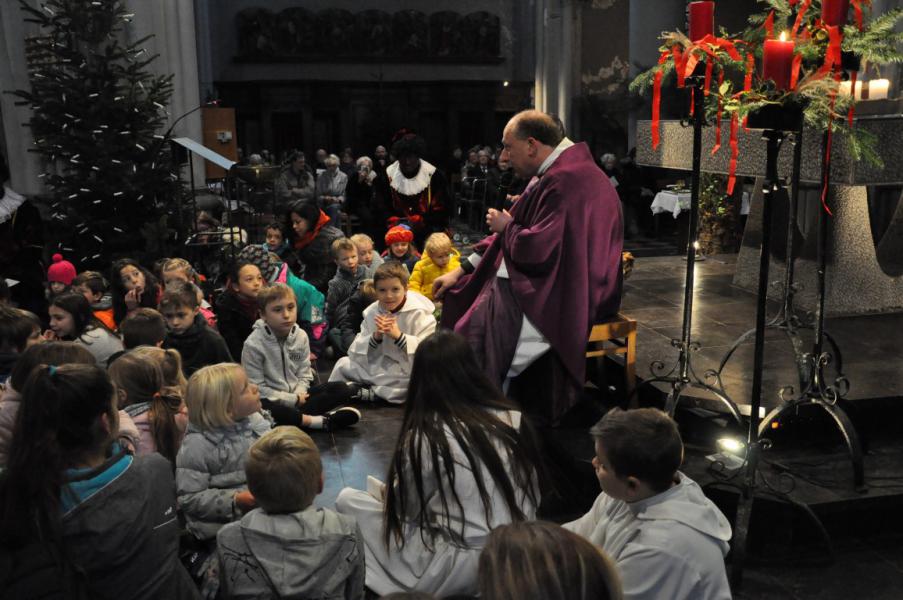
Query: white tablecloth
[{"x": 671, "y": 202}]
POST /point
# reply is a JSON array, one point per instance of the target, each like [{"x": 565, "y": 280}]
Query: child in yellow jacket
[{"x": 439, "y": 257}]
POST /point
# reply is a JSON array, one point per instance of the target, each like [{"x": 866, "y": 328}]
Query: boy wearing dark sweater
[
  {"x": 348, "y": 276},
  {"x": 198, "y": 343}
]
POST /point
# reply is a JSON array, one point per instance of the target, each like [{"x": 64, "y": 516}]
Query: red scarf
[
  {"x": 248, "y": 306},
  {"x": 308, "y": 237}
]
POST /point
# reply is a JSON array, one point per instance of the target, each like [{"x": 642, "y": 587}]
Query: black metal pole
[
  {"x": 693, "y": 226},
  {"x": 821, "y": 260},
  {"x": 787, "y": 308}
]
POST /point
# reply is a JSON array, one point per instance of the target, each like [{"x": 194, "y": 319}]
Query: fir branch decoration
[
  {"x": 879, "y": 43},
  {"x": 97, "y": 113}
]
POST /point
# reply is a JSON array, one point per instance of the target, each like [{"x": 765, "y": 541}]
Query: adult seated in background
[
  {"x": 418, "y": 191},
  {"x": 331, "y": 190},
  {"x": 295, "y": 182},
  {"x": 320, "y": 160},
  {"x": 310, "y": 245},
  {"x": 552, "y": 269},
  {"x": 380, "y": 160},
  {"x": 484, "y": 178},
  {"x": 362, "y": 200},
  {"x": 346, "y": 163},
  {"x": 510, "y": 186}
]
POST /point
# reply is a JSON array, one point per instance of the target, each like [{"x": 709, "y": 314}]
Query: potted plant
[{"x": 716, "y": 216}]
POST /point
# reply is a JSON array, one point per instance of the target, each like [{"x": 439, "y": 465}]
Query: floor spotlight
[{"x": 732, "y": 445}]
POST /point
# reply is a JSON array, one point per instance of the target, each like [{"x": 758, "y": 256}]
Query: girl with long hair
[
  {"x": 132, "y": 287},
  {"x": 80, "y": 516},
  {"x": 464, "y": 463},
  {"x": 170, "y": 362},
  {"x": 71, "y": 319},
  {"x": 156, "y": 409}
]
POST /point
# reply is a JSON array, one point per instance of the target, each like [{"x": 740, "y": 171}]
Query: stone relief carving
[{"x": 409, "y": 35}]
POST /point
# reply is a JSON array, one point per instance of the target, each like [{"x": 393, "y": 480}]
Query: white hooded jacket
[
  {"x": 671, "y": 545},
  {"x": 280, "y": 369}
]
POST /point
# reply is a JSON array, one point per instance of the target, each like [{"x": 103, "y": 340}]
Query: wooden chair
[{"x": 620, "y": 332}]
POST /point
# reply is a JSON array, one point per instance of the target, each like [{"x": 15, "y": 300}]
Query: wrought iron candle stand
[
  {"x": 774, "y": 138},
  {"x": 681, "y": 376},
  {"x": 816, "y": 388}
]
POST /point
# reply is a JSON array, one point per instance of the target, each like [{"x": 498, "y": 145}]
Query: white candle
[
  {"x": 846, "y": 86},
  {"x": 878, "y": 89}
]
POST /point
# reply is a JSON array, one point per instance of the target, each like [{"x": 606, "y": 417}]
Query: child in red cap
[
  {"x": 60, "y": 275},
  {"x": 400, "y": 247}
]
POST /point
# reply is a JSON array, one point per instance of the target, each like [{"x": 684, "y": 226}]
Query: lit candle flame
[{"x": 783, "y": 37}]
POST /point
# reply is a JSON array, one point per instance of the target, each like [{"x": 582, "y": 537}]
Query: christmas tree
[{"x": 97, "y": 116}]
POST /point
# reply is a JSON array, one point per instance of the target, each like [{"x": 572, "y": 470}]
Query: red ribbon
[
  {"x": 692, "y": 101},
  {"x": 769, "y": 26},
  {"x": 795, "y": 70},
  {"x": 679, "y": 59},
  {"x": 832, "y": 54},
  {"x": 657, "y": 102},
  {"x": 747, "y": 80},
  {"x": 857, "y": 11},
  {"x": 717, "y": 145},
  {"x": 853, "y": 94},
  {"x": 799, "y": 16},
  {"x": 735, "y": 152},
  {"x": 708, "y": 75}
]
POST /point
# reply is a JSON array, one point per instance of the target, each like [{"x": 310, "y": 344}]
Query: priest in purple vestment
[{"x": 529, "y": 295}]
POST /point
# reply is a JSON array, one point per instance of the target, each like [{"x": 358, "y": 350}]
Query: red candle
[
  {"x": 834, "y": 12},
  {"x": 702, "y": 19},
  {"x": 777, "y": 62}
]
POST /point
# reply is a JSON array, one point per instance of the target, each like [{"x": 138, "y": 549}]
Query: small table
[{"x": 670, "y": 202}]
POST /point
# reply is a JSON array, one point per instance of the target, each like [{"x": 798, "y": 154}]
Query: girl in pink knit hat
[{"x": 59, "y": 276}]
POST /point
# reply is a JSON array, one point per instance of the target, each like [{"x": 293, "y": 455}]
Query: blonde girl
[
  {"x": 170, "y": 362},
  {"x": 224, "y": 419}
]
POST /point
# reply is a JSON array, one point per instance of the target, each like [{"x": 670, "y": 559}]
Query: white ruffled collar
[
  {"x": 414, "y": 185},
  {"x": 9, "y": 204}
]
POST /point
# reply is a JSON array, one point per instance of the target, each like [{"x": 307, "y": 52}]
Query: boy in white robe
[
  {"x": 382, "y": 354},
  {"x": 667, "y": 539}
]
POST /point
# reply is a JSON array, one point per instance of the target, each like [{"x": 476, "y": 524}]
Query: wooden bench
[{"x": 620, "y": 333}]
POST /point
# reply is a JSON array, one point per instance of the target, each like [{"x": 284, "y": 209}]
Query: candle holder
[{"x": 681, "y": 376}]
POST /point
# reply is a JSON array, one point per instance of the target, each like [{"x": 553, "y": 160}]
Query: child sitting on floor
[
  {"x": 348, "y": 276},
  {"x": 94, "y": 287},
  {"x": 439, "y": 257},
  {"x": 536, "y": 559},
  {"x": 464, "y": 463},
  {"x": 132, "y": 287},
  {"x": 19, "y": 329},
  {"x": 667, "y": 539},
  {"x": 71, "y": 319},
  {"x": 198, "y": 343},
  {"x": 276, "y": 357},
  {"x": 366, "y": 256},
  {"x": 176, "y": 270},
  {"x": 60, "y": 276},
  {"x": 275, "y": 240},
  {"x": 400, "y": 247},
  {"x": 80, "y": 516},
  {"x": 157, "y": 410},
  {"x": 236, "y": 308},
  {"x": 285, "y": 474},
  {"x": 382, "y": 353},
  {"x": 349, "y": 316}
]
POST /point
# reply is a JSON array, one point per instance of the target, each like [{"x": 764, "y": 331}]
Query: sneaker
[
  {"x": 363, "y": 394},
  {"x": 341, "y": 418}
]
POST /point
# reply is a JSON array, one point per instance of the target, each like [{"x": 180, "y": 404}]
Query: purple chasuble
[{"x": 563, "y": 254}]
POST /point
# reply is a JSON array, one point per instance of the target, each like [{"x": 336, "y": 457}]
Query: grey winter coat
[
  {"x": 341, "y": 287},
  {"x": 210, "y": 468},
  {"x": 280, "y": 370},
  {"x": 314, "y": 553}
]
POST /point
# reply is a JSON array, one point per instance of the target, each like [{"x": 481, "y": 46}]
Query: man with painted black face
[
  {"x": 552, "y": 270},
  {"x": 418, "y": 192}
]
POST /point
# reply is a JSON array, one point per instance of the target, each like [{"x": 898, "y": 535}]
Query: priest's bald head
[{"x": 529, "y": 138}]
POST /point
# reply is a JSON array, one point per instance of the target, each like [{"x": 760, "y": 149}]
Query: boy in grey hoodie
[
  {"x": 276, "y": 357},
  {"x": 287, "y": 547},
  {"x": 667, "y": 539}
]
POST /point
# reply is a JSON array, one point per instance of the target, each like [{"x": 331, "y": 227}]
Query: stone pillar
[
  {"x": 647, "y": 21},
  {"x": 557, "y": 59},
  {"x": 24, "y": 166}
]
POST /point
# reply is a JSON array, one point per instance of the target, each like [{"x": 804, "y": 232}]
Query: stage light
[
  {"x": 732, "y": 445},
  {"x": 505, "y": 83}
]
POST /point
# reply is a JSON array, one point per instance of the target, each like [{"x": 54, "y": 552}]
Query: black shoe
[
  {"x": 363, "y": 393},
  {"x": 341, "y": 418}
]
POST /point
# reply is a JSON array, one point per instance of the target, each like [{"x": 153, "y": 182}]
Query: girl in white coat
[
  {"x": 382, "y": 353},
  {"x": 463, "y": 464}
]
